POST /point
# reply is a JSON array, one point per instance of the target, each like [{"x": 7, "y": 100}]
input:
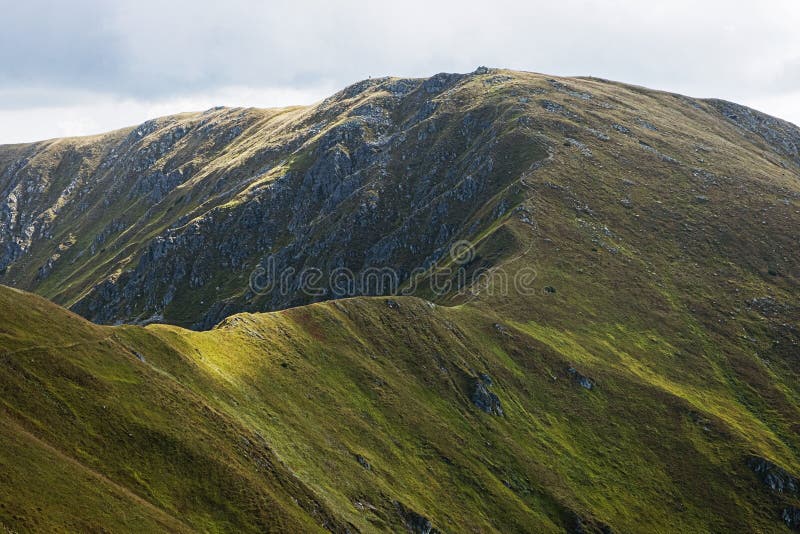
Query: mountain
[
  {"x": 588, "y": 317},
  {"x": 167, "y": 221}
]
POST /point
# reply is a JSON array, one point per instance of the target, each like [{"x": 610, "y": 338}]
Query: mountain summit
[
  {"x": 486, "y": 302},
  {"x": 169, "y": 220}
]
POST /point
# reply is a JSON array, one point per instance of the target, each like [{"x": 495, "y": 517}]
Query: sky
[{"x": 89, "y": 66}]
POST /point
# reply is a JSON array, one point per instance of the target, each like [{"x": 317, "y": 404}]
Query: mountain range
[{"x": 486, "y": 302}]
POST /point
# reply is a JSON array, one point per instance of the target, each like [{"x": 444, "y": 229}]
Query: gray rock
[
  {"x": 363, "y": 462},
  {"x": 555, "y": 107},
  {"x": 780, "y": 135},
  {"x": 485, "y": 399},
  {"x": 581, "y": 525},
  {"x": 598, "y": 134},
  {"x": 415, "y": 522},
  {"x": 585, "y": 150},
  {"x": 645, "y": 124},
  {"x": 791, "y": 516},
  {"x": 769, "y": 307},
  {"x": 773, "y": 476},
  {"x": 620, "y": 128},
  {"x": 583, "y": 381},
  {"x": 503, "y": 329},
  {"x": 551, "y": 106},
  {"x": 564, "y": 88}
]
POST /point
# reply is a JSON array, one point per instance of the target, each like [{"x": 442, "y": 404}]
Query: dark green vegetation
[{"x": 648, "y": 384}]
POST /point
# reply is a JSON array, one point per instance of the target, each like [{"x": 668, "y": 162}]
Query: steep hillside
[
  {"x": 168, "y": 221},
  {"x": 589, "y": 319},
  {"x": 376, "y": 416},
  {"x": 94, "y": 439}
]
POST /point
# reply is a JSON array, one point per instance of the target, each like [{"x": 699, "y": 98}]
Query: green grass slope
[
  {"x": 645, "y": 378},
  {"x": 356, "y": 414},
  {"x": 95, "y": 439}
]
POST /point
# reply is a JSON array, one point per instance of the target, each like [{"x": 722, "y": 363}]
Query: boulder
[
  {"x": 583, "y": 381},
  {"x": 791, "y": 516},
  {"x": 485, "y": 399},
  {"x": 774, "y": 476}
]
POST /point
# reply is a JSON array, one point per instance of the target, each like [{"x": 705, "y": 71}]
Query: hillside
[
  {"x": 362, "y": 414},
  {"x": 594, "y": 326},
  {"x": 168, "y": 221}
]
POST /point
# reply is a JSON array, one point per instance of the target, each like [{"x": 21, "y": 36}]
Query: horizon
[{"x": 319, "y": 99}]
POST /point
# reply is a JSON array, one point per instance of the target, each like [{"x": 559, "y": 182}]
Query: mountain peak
[{"x": 497, "y": 301}]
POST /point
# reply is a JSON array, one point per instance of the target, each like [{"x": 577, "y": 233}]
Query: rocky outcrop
[
  {"x": 780, "y": 135},
  {"x": 581, "y": 525},
  {"x": 582, "y": 380},
  {"x": 791, "y": 516},
  {"x": 774, "y": 476},
  {"x": 483, "y": 398},
  {"x": 357, "y": 200},
  {"x": 415, "y": 522}
]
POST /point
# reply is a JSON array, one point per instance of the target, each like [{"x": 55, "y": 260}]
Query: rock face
[
  {"x": 780, "y": 135},
  {"x": 791, "y": 516},
  {"x": 483, "y": 398},
  {"x": 363, "y": 462},
  {"x": 580, "y": 525},
  {"x": 774, "y": 476},
  {"x": 191, "y": 218},
  {"x": 416, "y": 523},
  {"x": 384, "y": 174},
  {"x": 583, "y": 381}
]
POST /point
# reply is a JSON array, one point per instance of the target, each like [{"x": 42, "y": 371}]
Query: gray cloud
[
  {"x": 67, "y": 54},
  {"x": 57, "y": 43}
]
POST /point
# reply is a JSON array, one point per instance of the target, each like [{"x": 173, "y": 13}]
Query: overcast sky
[{"x": 87, "y": 66}]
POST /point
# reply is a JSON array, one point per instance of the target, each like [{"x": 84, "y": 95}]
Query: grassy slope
[
  {"x": 654, "y": 301},
  {"x": 324, "y": 384},
  {"x": 119, "y": 435}
]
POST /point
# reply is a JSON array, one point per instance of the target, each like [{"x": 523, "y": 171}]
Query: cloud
[
  {"x": 57, "y": 44},
  {"x": 153, "y": 53}
]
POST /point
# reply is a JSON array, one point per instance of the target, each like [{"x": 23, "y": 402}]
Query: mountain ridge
[
  {"x": 252, "y": 170},
  {"x": 573, "y": 308}
]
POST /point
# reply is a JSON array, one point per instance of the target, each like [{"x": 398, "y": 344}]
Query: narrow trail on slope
[
  {"x": 165, "y": 518},
  {"x": 57, "y": 347}
]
